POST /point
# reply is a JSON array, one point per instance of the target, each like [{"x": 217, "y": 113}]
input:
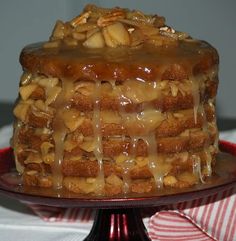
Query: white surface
[{"x": 17, "y": 222}]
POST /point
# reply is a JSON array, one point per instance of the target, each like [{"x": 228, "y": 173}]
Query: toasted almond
[
  {"x": 95, "y": 41},
  {"x": 110, "y": 42},
  {"x": 21, "y": 110},
  {"x": 46, "y": 82},
  {"x": 72, "y": 119},
  {"x": 119, "y": 33},
  {"x": 85, "y": 27},
  {"x": 32, "y": 172},
  {"x": 170, "y": 180},
  {"x": 26, "y": 91},
  {"x": 58, "y": 31},
  {"x": 174, "y": 89}
]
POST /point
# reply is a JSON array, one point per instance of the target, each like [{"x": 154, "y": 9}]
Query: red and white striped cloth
[
  {"x": 205, "y": 219},
  {"x": 208, "y": 218}
]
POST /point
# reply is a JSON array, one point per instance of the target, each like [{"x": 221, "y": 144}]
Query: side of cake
[{"x": 116, "y": 102}]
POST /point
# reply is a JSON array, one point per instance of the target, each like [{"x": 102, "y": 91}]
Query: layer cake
[{"x": 116, "y": 102}]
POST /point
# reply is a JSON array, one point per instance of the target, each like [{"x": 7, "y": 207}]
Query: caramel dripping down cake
[{"x": 116, "y": 102}]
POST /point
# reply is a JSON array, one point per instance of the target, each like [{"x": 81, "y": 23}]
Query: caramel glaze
[{"x": 145, "y": 64}]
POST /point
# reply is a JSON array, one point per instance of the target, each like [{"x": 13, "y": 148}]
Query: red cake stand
[{"x": 118, "y": 218}]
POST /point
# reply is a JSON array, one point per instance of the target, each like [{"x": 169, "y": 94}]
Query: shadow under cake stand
[{"x": 118, "y": 218}]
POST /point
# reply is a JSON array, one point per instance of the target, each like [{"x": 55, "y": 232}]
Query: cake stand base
[{"x": 118, "y": 225}]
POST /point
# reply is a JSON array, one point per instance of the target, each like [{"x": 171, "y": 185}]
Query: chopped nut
[
  {"x": 120, "y": 159},
  {"x": 95, "y": 41},
  {"x": 70, "y": 41},
  {"x": 118, "y": 33},
  {"x": 52, "y": 44},
  {"x": 137, "y": 37},
  {"x": 26, "y": 91},
  {"x": 141, "y": 161},
  {"x": 88, "y": 146},
  {"x": 69, "y": 145},
  {"x": 32, "y": 172},
  {"x": 21, "y": 110},
  {"x": 85, "y": 87},
  {"x": 79, "y": 36},
  {"x": 110, "y": 17},
  {"x": 114, "y": 180},
  {"x": 33, "y": 158},
  {"x": 72, "y": 119},
  {"x": 58, "y": 31},
  {"x": 170, "y": 180},
  {"x": 108, "y": 39},
  {"x": 81, "y": 19},
  {"x": 174, "y": 89},
  {"x": 110, "y": 117},
  {"x": 52, "y": 94},
  {"x": 49, "y": 158},
  {"x": 25, "y": 78},
  {"x": 188, "y": 177},
  {"x": 85, "y": 27},
  {"x": 79, "y": 185},
  {"x": 45, "y": 147},
  {"x": 90, "y": 180},
  {"x": 46, "y": 82},
  {"x": 40, "y": 106},
  {"x": 91, "y": 32}
]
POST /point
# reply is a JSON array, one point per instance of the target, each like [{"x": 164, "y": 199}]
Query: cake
[{"x": 116, "y": 102}]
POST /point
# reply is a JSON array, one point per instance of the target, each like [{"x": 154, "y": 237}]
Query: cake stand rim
[{"x": 116, "y": 202}]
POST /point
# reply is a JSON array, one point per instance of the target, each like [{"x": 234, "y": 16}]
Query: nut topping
[{"x": 100, "y": 27}]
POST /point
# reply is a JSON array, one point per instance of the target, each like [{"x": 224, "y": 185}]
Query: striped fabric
[
  {"x": 204, "y": 219},
  {"x": 68, "y": 215},
  {"x": 209, "y": 218}
]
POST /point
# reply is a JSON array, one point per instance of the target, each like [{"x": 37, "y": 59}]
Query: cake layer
[
  {"x": 147, "y": 63},
  {"x": 178, "y": 168},
  {"x": 113, "y": 146},
  {"x": 163, "y": 102},
  {"x": 112, "y": 124}
]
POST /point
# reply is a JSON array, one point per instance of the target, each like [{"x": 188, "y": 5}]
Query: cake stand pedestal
[
  {"x": 118, "y": 218},
  {"x": 118, "y": 225}
]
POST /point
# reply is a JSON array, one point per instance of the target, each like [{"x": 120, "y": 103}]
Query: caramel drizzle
[
  {"x": 197, "y": 171},
  {"x": 60, "y": 131},
  {"x": 216, "y": 142},
  {"x": 206, "y": 149},
  {"x": 196, "y": 97},
  {"x": 98, "y": 150},
  {"x": 128, "y": 164},
  {"x": 17, "y": 126},
  {"x": 153, "y": 164}
]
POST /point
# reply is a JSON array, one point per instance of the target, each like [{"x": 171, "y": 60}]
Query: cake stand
[{"x": 118, "y": 218}]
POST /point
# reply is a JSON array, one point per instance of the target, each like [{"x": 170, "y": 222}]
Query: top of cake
[{"x": 118, "y": 44}]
